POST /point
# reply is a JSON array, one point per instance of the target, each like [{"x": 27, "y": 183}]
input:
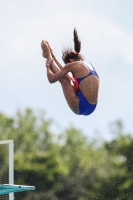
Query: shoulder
[
  {"x": 73, "y": 64},
  {"x": 70, "y": 66}
]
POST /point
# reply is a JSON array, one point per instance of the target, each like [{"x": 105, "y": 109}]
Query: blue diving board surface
[{"x": 7, "y": 188}]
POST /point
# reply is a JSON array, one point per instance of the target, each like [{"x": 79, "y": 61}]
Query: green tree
[
  {"x": 119, "y": 183},
  {"x": 68, "y": 165},
  {"x": 48, "y": 162},
  {"x": 37, "y": 161},
  {"x": 84, "y": 161}
]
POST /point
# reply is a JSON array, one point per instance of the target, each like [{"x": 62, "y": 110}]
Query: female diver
[{"x": 80, "y": 90}]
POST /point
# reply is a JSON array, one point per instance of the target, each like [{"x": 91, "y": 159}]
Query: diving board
[{"x": 8, "y": 188}]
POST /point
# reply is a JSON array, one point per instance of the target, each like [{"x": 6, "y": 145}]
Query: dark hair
[{"x": 69, "y": 53}]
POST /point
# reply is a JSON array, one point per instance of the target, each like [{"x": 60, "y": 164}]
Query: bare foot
[
  {"x": 46, "y": 52},
  {"x": 50, "y": 49}
]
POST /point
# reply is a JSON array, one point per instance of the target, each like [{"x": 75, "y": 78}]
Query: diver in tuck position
[{"x": 80, "y": 90}]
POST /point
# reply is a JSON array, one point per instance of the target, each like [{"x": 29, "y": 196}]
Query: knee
[{"x": 64, "y": 80}]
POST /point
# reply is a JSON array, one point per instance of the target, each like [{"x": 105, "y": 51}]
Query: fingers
[{"x": 48, "y": 63}]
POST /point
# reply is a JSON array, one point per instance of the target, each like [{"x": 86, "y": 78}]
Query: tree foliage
[{"x": 68, "y": 165}]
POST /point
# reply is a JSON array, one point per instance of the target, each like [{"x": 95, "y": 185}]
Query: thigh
[{"x": 70, "y": 94}]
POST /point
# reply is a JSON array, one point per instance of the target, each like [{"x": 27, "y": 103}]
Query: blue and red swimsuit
[{"x": 85, "y": 108}]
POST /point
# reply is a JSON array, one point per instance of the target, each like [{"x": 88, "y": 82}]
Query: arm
[
  {"x": 57, "y": 62},
  {"x": 54, "y": 58},
  {"x": 57, "y": 76},
  {"x": 60, "y": 66}
]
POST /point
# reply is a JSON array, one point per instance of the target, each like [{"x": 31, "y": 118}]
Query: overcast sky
[{"x": 106, "y": 31}]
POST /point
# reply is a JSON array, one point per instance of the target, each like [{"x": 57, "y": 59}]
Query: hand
[{"x": 48, "y": 63}]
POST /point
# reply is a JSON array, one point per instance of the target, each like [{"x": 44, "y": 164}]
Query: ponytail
[
  {"x": 77, "y": 41},
  {"x": 68, "y": 53}
]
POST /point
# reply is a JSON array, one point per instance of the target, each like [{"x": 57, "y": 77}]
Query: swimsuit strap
[
  {"x": 78, "y": 80},
  {"x": 84, "y": 63},
  {"x": 92, "y": 72}
]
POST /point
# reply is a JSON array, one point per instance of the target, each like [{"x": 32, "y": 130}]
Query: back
[
  {"x": 88, "y": 80},
  {"x": 91, "y": 71}
]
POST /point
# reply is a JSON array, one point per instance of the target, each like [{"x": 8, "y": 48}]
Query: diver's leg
[
  {"x": 48, "y": 56},
  {"x": 54, "y": 67},
  {"x": 70, "y": 94},
  {"x": 68, "y": 89}
]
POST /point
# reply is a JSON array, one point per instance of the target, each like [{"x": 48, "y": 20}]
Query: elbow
[{"x": 51, "y": 81}]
